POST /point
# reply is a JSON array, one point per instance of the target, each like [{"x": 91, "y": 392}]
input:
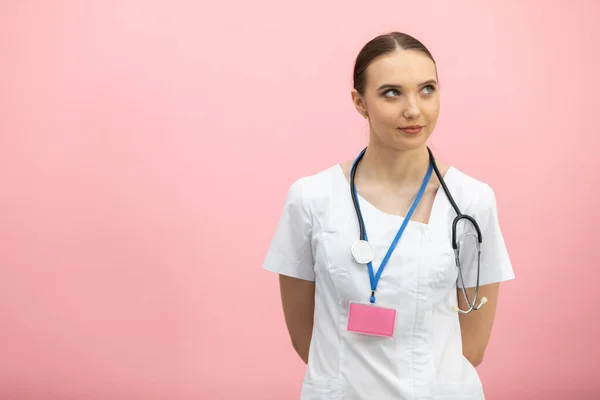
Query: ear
[{"x": 359, "y": 103}]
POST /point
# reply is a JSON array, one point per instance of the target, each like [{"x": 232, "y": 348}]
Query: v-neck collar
[{"x": 435, "y": 208}]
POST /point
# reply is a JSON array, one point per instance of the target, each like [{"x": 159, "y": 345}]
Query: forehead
[{"x": 401, "y": 67}]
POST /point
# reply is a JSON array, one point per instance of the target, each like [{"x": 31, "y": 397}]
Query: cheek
[
  {"x": 431, "y": 110},
  {"x": 387, "y": 113}
]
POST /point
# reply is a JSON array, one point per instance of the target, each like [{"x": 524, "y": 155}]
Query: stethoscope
[{"x": 363, "y": 252}]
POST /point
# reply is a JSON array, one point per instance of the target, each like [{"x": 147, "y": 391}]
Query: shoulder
[
  {"x": 308, "y": 189},
  {"x": 465, "y": 182},
  {"x": 476, "y": 196}
]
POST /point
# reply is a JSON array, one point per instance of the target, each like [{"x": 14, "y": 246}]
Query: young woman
[{"x": 383, "y": 288}]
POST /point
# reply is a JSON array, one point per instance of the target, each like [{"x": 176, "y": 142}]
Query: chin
[
  {"x": 399, "y": 141},
  {"x": 413, "y": 142}
]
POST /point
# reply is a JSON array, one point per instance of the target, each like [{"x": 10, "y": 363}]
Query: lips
[{"x": 411, "y": 130}]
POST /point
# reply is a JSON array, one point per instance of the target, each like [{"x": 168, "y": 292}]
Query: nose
[{"x": 412, "y": 110}]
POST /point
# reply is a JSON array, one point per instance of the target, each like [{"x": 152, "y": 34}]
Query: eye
[
  {"x": 391, "y": 93},
  {"x": 429, "y": 89}
]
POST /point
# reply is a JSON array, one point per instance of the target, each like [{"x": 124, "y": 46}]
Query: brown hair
[{"x": 381, "y": 45}]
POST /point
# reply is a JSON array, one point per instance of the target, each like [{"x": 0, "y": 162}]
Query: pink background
[{"x": 135, "y": 140}]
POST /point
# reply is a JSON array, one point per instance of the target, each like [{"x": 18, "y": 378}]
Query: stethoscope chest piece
[{"x": 362, "y": 252}]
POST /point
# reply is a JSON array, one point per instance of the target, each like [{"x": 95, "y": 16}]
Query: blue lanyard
[{"x": 374, "y": 278}]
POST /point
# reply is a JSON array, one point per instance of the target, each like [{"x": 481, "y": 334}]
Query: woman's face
[{"x": 401, "y": 99}]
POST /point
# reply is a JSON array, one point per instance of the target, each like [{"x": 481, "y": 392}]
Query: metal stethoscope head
[{"x": 363, "y": 252}]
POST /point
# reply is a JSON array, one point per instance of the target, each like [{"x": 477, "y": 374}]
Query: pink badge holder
[{"x": 371, "y": 319}]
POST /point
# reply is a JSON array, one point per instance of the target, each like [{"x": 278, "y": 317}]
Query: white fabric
[{"x": 424, "y": 358}]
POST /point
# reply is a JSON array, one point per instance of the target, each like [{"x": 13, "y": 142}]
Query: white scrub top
[{"x": 424, "y": 359}]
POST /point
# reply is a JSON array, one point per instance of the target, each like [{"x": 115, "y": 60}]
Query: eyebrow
[{"x": 391, "y": 85}]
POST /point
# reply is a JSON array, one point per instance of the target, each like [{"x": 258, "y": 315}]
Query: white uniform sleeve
[
  {"x": 290, "y": 252},
  {"x": 496, "y": 265}
]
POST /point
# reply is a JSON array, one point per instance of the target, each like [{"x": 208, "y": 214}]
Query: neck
[{"x": 394, "y": 167}]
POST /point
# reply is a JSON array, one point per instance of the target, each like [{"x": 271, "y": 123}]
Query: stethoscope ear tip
[{"x": 483, "y": 301}]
